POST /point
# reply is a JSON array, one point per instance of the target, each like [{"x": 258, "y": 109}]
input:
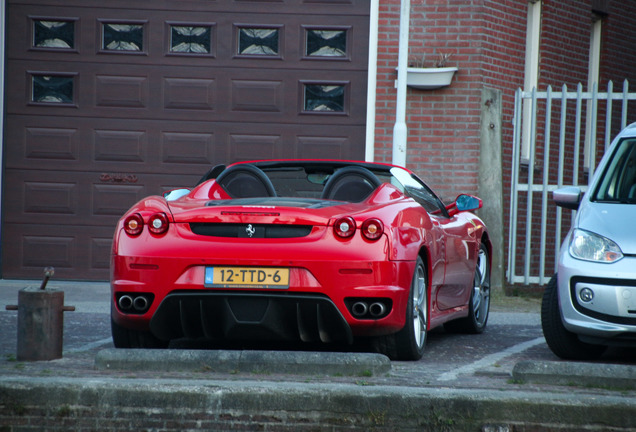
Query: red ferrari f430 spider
[{"x": 300, "y": 250}]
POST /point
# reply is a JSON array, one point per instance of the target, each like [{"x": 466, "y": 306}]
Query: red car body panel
[{"x": 319, "y": 263}]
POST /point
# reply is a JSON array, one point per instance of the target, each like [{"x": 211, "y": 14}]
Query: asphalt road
[{"x": 513, "y": 335}]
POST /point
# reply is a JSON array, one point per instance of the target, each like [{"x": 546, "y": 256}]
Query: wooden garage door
[{"x": 106, "y": 105}]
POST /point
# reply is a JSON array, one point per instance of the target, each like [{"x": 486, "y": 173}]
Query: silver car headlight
[{"x": 588, "y": 246}]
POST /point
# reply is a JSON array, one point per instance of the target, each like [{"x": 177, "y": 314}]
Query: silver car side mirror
[{"x": 568, "y": 197}]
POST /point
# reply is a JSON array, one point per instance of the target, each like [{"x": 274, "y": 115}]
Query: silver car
[{"x": 590, "y": 303}]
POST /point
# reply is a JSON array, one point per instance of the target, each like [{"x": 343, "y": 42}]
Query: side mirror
[
  {"x": 467, "y": 203},
  {"x": 568, "y": 197},
  {"x": 175, "y": 194}
]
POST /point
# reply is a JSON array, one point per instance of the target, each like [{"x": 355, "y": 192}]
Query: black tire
[
  {"x": 127, "y": 338},
  {"x": 479, "y": 302},
  {"x": 409, "y": 343},
  {"x": 562, "y": 342}
]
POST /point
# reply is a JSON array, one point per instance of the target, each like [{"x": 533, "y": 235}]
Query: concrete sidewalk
[
  {"x": 164, "y": 404},
  {"x": 94, "y": 297},
  {"x": 177, "y": 389}
]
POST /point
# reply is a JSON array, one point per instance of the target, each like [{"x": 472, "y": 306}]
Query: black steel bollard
[{"x": 40, "y": 322}]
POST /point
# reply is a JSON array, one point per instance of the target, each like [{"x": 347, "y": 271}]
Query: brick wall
[
  {"x": 443, "y": 124},
  {"x": 618, "y": 58},
  {"x": 487, "y": 40}
]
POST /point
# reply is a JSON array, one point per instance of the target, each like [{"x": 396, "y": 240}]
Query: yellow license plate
[{"x": 247, "y": 277}]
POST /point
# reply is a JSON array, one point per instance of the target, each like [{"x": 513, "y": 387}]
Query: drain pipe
[
  {"x": 372, "y": 81},
  {"x": 400, "y": 131}
]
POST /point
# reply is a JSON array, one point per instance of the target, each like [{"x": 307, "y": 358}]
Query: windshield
[
  {"x": 310, "y": 180},
  {"x": 618, "y": 183},
  {"x": 341, "y": 181},
  {"x": 418, "y": 191}
]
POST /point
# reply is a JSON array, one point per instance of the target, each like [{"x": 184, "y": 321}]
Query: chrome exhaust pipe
[
  {"x": 125, "y": 302},
  {"x": 359, "y": 309},
  {"x": 377, "y": 309},
  {"x": 140, "y": 303}
]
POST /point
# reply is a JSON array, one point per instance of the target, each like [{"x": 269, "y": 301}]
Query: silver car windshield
[{"x": 618, "y": 182}]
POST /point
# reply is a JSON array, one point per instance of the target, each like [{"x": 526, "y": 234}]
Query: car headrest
[
  {"x": 352, "y": 184},
  {"x": 246, "y": 181}
]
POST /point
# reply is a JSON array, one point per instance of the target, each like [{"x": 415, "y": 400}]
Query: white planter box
[{"x": 429, "y": 78}]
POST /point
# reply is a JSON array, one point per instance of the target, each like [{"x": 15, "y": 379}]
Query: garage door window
[
  {"x": 122, "y": 37},
  {"x": 324, "y": 98},
  {"x": 51, "y": 33},
  {"x": 259, "y": 41},
  {"x": 190, "y": 39},
  {"x": 52, "y": 89},
  {"x": 326, "y": 43}
]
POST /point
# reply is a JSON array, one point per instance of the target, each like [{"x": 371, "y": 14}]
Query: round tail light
[
  {"x": 158, "y": 223},
  {"x": 345, "y": 227},
  {"x": 134, "y": 224},
  {"x": 372, "y": 229}
]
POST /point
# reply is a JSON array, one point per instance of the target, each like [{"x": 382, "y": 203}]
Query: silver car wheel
[
  {"x": 410, "y": 341},
  {"x": 481, "y": 287},
  {"x": 419, "y": 306}
]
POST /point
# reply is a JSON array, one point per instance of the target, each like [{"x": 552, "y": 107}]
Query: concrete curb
[
  {"x": 579, "y": 374},
  {"x": 308, "y": 405},
  {"x": 305, "y": 363}
]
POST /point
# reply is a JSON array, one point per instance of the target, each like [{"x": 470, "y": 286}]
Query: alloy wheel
[{"x": 419, "y": 307}]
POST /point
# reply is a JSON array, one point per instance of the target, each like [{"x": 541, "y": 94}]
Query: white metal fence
[{"x": 547, "y": 157}]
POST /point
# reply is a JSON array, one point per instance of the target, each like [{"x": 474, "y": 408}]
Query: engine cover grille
[{"x": 249, "y": 230}]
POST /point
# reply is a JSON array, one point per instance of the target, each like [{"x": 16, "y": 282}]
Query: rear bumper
[{"x": 317, "y": 305}]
